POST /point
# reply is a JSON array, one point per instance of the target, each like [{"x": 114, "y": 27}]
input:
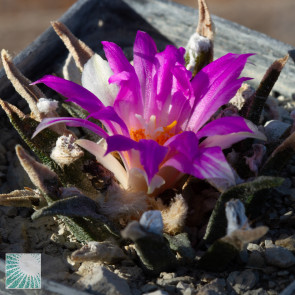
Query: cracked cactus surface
[{"x": 154, "y": 131}]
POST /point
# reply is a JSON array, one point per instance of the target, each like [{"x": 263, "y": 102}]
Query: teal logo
[{"x": 23, "y": 271}]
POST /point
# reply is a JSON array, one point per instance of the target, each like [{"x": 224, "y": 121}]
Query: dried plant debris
[
  {"x": 205, "y": 26},
  {"x": 78, "y": 49},
  {"x": 22, "y": 198},
  {"x": 22, "y": 85},
  {"x": 41, "y": 176},
  {"x": 253, "y": 107}
]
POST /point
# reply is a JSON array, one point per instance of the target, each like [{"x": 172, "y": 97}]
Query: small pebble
[{"x": 253, "y": 247}]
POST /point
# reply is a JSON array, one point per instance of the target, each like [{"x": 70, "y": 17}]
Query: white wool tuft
[
  {"x": 195, "y": 45},
  {"x": 46, "y": 105}
]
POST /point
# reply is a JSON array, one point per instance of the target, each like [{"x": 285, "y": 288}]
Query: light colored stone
[
  {"x": 253, "y": 247},
  {"x": 279, "y": 256},
  {"x": 216, "y": 287},
  {"x": 259, "y": 291},
  {"x": 99, "y": 278},
  {"x": 158, "y": 292},
  {"x": 288, "y": 243}
]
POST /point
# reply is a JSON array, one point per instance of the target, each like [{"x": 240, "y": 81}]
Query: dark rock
[
  {"x": 279, "y": 256},
  {"x": 242, "y": 281}
]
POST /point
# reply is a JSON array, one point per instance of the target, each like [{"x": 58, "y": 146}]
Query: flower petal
[
  {"x": 209, "y": 163},
  {"x": 73, "y": 92},
  {"x": 109, "y": 114},
  {"x": 95, "y": 78},
  {"x": 204, "y": 163},
  {"x": 151, "y": 153},
  {"x": 72, "y": 122},
  {"x": 185, "y": 143},
  {"x": 120, "y": 143},
  {"x": 212, "y": 165},
  {"x": 129, "y": 100},
  {"x": 108, "y": 161},
  {"x": 144, "y": 51},
  {"x": 138, "y": 181},
  {"x": 224, "y": 125},
  {"x": 214, "y": 86},
  {"x": 151, "y": 156},
  {"x": 163, "y": 78},
  {"x": 224, "y": 140}
]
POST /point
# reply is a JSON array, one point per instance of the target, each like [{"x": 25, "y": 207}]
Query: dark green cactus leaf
[
  {"x": 153, "y": 250},
  {"x": 75, "y": 111},
  {"x": 80, "y": 209},
  {"x": 42, "y": 144},
  {"x": 76, "y": 206},
  {"x": 86, "y": 230},
  {"x": 218, "y": 256},
  {"x": 246, "y": 192},
  {"x": 253, "y": 107},
  {"x": 181, "y": 244}
]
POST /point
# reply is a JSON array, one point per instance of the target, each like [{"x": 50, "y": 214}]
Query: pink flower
[{"x": 156, "y": 115}]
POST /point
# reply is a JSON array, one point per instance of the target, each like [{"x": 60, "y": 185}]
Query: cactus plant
[{"x": 157, "y": 121}]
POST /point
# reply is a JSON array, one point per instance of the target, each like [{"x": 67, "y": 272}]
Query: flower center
[{"x": 160, "y": 135}]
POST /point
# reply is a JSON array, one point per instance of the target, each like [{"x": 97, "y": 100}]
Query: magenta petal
[
  {"x": 129, "y": 100},
  {"x": 144, "y": 51},
  {"x": 116, "y": 58},
  {"x": 120, "y": 143},
  {"x": 151, "y": 156},
  {"x": 72, "y": 122},
  {"x": 208, "y": 163},
  {"x": 185, "y": 143},
  {"x": 108, "y": 113},
  {"x": 73, "y": 92},
  {"x": 224, "y": 125},
  {"x": 212, "y": 165},
  {"x": 214, "y": 86},
  {"x": 151, "y": 153}
]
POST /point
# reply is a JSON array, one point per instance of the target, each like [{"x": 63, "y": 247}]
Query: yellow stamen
[
  {"x": 160, "y": 137},
  {"x": 169, "y": 127},
  {"x": 137, "y": 134}
]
